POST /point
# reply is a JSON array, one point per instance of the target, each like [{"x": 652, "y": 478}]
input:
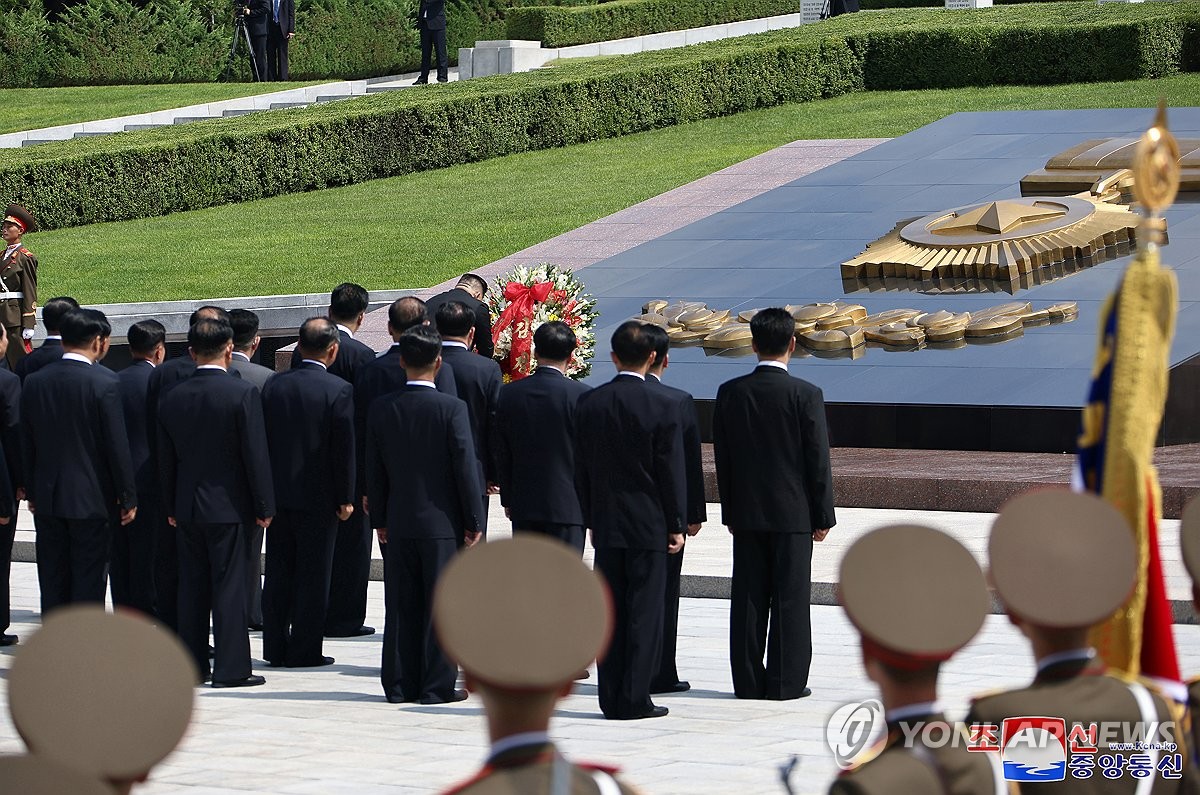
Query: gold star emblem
[{"x": 997, "y": 217}]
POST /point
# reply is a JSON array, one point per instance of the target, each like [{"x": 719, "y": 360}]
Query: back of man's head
[
  {"x": 348, "y": 301},
  {"x": 208, "y": 311},
  {"x": 208, "y": 337},
  {"x": 631, "y": 344},
  {"x": 54, "y": 311},
  {"x": 406, "y": 312},
  {"x": 419, "y": 347},
  {"x": 659, "y": 341},
  {"x": 475, "y": 285},
  {"x": 554, "y": 341},
  {"x": 455, "y": 319},
  {"x": 772, "y": 331},
  {"x": 80, "y": 326},
  {"x": 146, "y": 335},
  {"x": 245, "y": 328},
  {"x": 317, "y": 336}
]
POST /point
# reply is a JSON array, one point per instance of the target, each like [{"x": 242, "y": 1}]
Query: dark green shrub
[
  {"x": 353, "y": 39},
  {"x": 26, "y": 51}
]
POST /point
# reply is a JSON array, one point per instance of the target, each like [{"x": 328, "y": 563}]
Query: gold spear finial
[{"x": 1156, "y": 175}]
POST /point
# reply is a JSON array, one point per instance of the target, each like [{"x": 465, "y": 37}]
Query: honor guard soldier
[
  {"x": 106, "y": 695},
  {"x": 1062, "y": 562},
  {"x": 1189, "y": 537},
  {"x": 18, "y": 282},
  {"x": 521, "y": 655},
  {"x": 910, "y": 623}
]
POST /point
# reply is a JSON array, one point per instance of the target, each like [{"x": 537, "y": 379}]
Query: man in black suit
[
  {"x": 79, "y": 478},
  {"x": 667, "y": 679},
  {"x": 257, "y": 15},
  {"x": 216, "y": 481},
  {"x": 470, "y": 291},
  {"x": 310, "y": 434},
  {"x": 534, "y": 442},
  {"x": 281, "y": 27},
  {"x": 629, "y": 473},
  {"x": 422, "y": 514},
  {"x": 10, "y": 441},
  {"x": 477, "y": 380},
  {"x": 51, "y": 349},
  {"x": 133, "y": 550},
  {"x": 776, "y": 485},
  {"x": 245, "y": 345},
  {"x": 431, "y": 22},
  {"x": 166, "y": 377}
]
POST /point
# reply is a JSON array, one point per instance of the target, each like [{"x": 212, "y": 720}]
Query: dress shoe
[
  {"x": 443, "y": 79},
  {"x": 254, "y": 627},
  {"x": 311, "y": 664},
  {"x": 654, "y": 712},
  {"x": 678, "y": 687},
  {"x": 805, "y": 693},
  {"x": 250, "y": 681},
  {"x": 457, "y": 695},
  {"x": 9, "y": 640},
  {"x": 211, "y": 652},
  {"x": 585, "y": 675},
  {"x": 354, "y": 633},
  {"x": 421, "y": 81}
]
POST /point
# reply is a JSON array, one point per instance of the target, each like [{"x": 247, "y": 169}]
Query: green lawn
[
  {"x": 33, "y": 108},
  {"x": 419, "y": 229}
]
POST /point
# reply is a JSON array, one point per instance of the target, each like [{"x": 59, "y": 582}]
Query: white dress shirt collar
[
  {"x": 429, "y": 384},
  {"x": 636, "y": 375},
  {"x": 314, "y": 361},
  {"x": 772, "y": 363},
  {"x": 77, "y": 357},
  {"x": 344, "y": 329}
]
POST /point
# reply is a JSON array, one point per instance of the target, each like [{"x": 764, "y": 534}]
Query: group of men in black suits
[{"x": 271, "y": 25}]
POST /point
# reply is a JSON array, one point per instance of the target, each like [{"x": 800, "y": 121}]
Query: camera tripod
[{"x": 241, "y": 34}]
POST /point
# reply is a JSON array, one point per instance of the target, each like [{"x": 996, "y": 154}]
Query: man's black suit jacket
[
  {"x": 629, "y": 469},
  {"x": 212, "y": 451},
  {"x": 534, "y": 445},
  {"x": 439, "y": 498},
  {"x": 477, "y": 380},
  {"x": 772, "y": 454},
  {"x": 432, "y": 14},
  {"x": 10, "y": 427},
  {"x": 48, "y": 351},
  {"x": 483, "y": 316},
  {"x": 352, "y": 355},
  {"x": 310, "y": 434},
  {"x": 259, "y": 16},
  {"x": 693, "y": 461},
  {"x": 134, "y": 383},
  {"x": 73, "y": 438}
]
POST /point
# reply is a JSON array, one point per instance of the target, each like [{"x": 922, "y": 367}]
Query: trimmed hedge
[
  {"x": 133, "y": 175},
  {"x": 559, "y": 26}
]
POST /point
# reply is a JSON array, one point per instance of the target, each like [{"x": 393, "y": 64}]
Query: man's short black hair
[
  {"x": 208, "y": 336},
  {"x": 631, "y": 344},
  {"x": 472, "y": 280},
  {"x": 419, "y": 347},
  {"x": 659, "y": 341},
  {"x": 772, "y": 331},
  {"x": 80, "y": 326},
  {"x": 317, "y": 335},
  {"x": 348, "y": 301},
  {"x": 55, "y": 309},
  {"x": 554, "y": 341},
  {"x": 245, "y": 328},
  {"x": 406, "y": 312},
  {"x": 208, "y": 310},
  {"x": 145, "y": 335},
  {"x": 455, "y": 319}
]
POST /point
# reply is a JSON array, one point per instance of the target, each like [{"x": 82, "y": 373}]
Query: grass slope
[
  {"x": 33, "y": 108},
  {"x": 421, "y": 228}
]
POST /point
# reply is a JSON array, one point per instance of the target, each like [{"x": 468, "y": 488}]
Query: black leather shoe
[
  {"x": 678, "y": 687},
  {"x": 254, "y": 627},
  {"x": 457, "y": 695},
  {"x": 443, "y": 79},
  {"x": 211, "y": 652},
  {"x": 253, "y": 680},
  {"x": 805, "y": 693},
  {"x": 361, "y": 632},
  {"x": 421, "y": 81},
  {"x": 9, "y": 640},
  {"x": 585, "y": 675},
  {"x": 312, "y": 664},
  {"x": 655, "y": 712}
]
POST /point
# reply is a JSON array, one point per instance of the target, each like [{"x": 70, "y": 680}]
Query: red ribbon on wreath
[{"x": 519, "y": 315}]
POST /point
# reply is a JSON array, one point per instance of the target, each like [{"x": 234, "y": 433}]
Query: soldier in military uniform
[
  {"x": 521, "y": 654},
  {"x": 1189, "y": 537},
  {"x": 911, "y": 622},
  {"x": 18, "y": 282},
  {"x": 1061, "y": 563}
]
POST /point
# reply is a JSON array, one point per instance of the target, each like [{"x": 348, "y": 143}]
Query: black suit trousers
[
  {"x": 413, "y": 665},
  {"x": 769, "y": 613},
  {"x": 166, "y": 573},
  {"x": 254, "y": 579},
  {"x": 212, "y": 578},
  {"x": 132, "y": 570},
  {"x": 7, "y": 533},
  {"x": 258, "y": 46},
  {"x": 668, "y": 674},
  {"x": 296, "y": 589},
  {"x": 277, "y": 52},
  {"x": 348, "y": 581},
  {"x": 570, "y": 534},
  {"x": 72, "y": 560},
  {"x": 431, "y": 39},
  {"x": 638, "y": 581}
]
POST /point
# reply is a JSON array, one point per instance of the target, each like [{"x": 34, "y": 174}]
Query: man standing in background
[
  {"x": 18, "y": 282},
  {"x": 431, "y": 22},
  {"x": 51, "y": 349},
  {"x": 470, "y": 291},
  {"x": 10, "y": 439},
  {"x": 281, "y": 27}
]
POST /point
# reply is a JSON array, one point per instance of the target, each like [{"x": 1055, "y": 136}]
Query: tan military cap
[
  {"x": 1062, "y": 559},
  {"x": 33, "y": 775},
  {"x": 1189, "y": 537},
  {"x": 914, "y": 593},
  {"x": 107, "y": 694},
  {"x": 522, "y": 614}
]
